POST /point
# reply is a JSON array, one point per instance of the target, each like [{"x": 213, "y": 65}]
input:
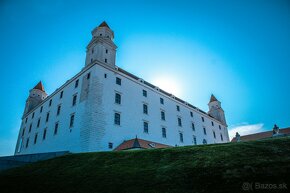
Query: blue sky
[{"x": 238, "y": 50}]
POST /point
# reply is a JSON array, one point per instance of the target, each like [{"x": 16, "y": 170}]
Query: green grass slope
[{"x": 232, "y": 167}]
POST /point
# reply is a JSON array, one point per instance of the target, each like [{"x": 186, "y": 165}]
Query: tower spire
[
  {"x": 36, "y": 96},
  {"x": 39, "y": 86},
  {"x": 101, "y": 47},
  {"x": 104, "y": 24},
  {"x": 212, "y": 98},
  {"x": 215, "y": 110}
]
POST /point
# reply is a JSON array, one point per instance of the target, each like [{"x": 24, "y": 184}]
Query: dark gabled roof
[
  {"x": 39, "y": 86},
  {"x": 261, "y": 135},
  {"x": 104, "y": 24},
  {"x": 139, "y": 144}
]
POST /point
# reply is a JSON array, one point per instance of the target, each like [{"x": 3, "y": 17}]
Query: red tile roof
[
  {"x": 139, "y": 144},
  {"x": 261, "y": 135},
  {"x": 39, "y": 86},
  {"x": 104, "y": 24},
  {"x": 212, "y": 98}
]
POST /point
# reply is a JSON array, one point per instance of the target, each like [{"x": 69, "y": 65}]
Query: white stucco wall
[{"x": 94, "y": 124}]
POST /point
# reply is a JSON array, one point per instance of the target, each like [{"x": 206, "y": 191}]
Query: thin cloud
[{"x": 245, "y": 129}]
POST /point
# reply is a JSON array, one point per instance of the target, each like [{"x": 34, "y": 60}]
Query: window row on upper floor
[
  {"x": 60, "y": 96},
  {"x": 118, "y": 100}
]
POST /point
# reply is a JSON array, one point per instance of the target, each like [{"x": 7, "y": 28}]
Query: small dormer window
[{"x": 153, "y": 145}]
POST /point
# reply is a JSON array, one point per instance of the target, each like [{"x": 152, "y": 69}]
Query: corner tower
[
  {"x": 102, "y": 47},
  {"x": 36, "y": 96},
  {"x": 216, "y": 111}
]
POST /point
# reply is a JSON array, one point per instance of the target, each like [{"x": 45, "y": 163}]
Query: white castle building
[{"x": 104, "y": 106}]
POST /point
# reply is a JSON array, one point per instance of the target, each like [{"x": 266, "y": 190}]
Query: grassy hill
[{"x": 232, "y": 167}]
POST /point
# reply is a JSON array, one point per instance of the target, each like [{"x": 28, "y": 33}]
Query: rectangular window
[
  {"x": 27, "y": 142},
  {"x": 30, "y": 126},
  {"x": 177, "y": 108},
  {"x": 74, "y": 101},
  {"x": 214, "y": 134},
  {"x": 47, "y": 117},
  {"x": 220, "y": 127},
  {"x": 106, "y": 51},
  {"x": 144, "y": 93},
  {"x": 88, "y": 76},
  {"x": 35, "y": 138},
  {"x": 204, "y": 131},
  {"x": 193, "y": 126},
  {"x": 76, "y": 83},
  {"x": 212, "y": 124},
  {"x": 145, "y": 127},
  {"x": 194, "y": 140},
  {"x": 58, "y": 110},
  {"x": 222, "y": 137},
  {"x": 38, "y": 123},
  {"x": 23, "y": 131},
  {"x": 191, "y": 113},
  {"x": 32, "y": 115},
  {"x": 105, "y": 75},
  {"x": 41, "y": 108},
  {"x": 162, "y": 101},
  {"x": 164, "y": 132},
  {"x": 181, "y": 137},
  {"x": 61, "y": 94},
  {"x": 55, "y": 128},
  {"x": 110, "y": 145},
  {"x": 163, "y": 115},
  {"x": 145, "y": 109},
  {"x": 26, "y": 120},
  {"x": 117, "y": 119},
  {"x": 117, "y": 98},
  {"x": 202, "y": 118},
  {"x": 106, "y": 60},
  {"x": 179, "y": 122},
  {"x": 44, "y": 134},
  {"x": 118, "y": 81},
  {"x": 72, "y": 119},
  {"x": 50, "y": 102}
]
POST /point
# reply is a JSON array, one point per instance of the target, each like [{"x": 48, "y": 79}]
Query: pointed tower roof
[
  {"x": 212, "y": 98},
  {"x": 39, "y": 86},
  {"x": 104, "y": 24},
  {"x": 136, "y": 143}
]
